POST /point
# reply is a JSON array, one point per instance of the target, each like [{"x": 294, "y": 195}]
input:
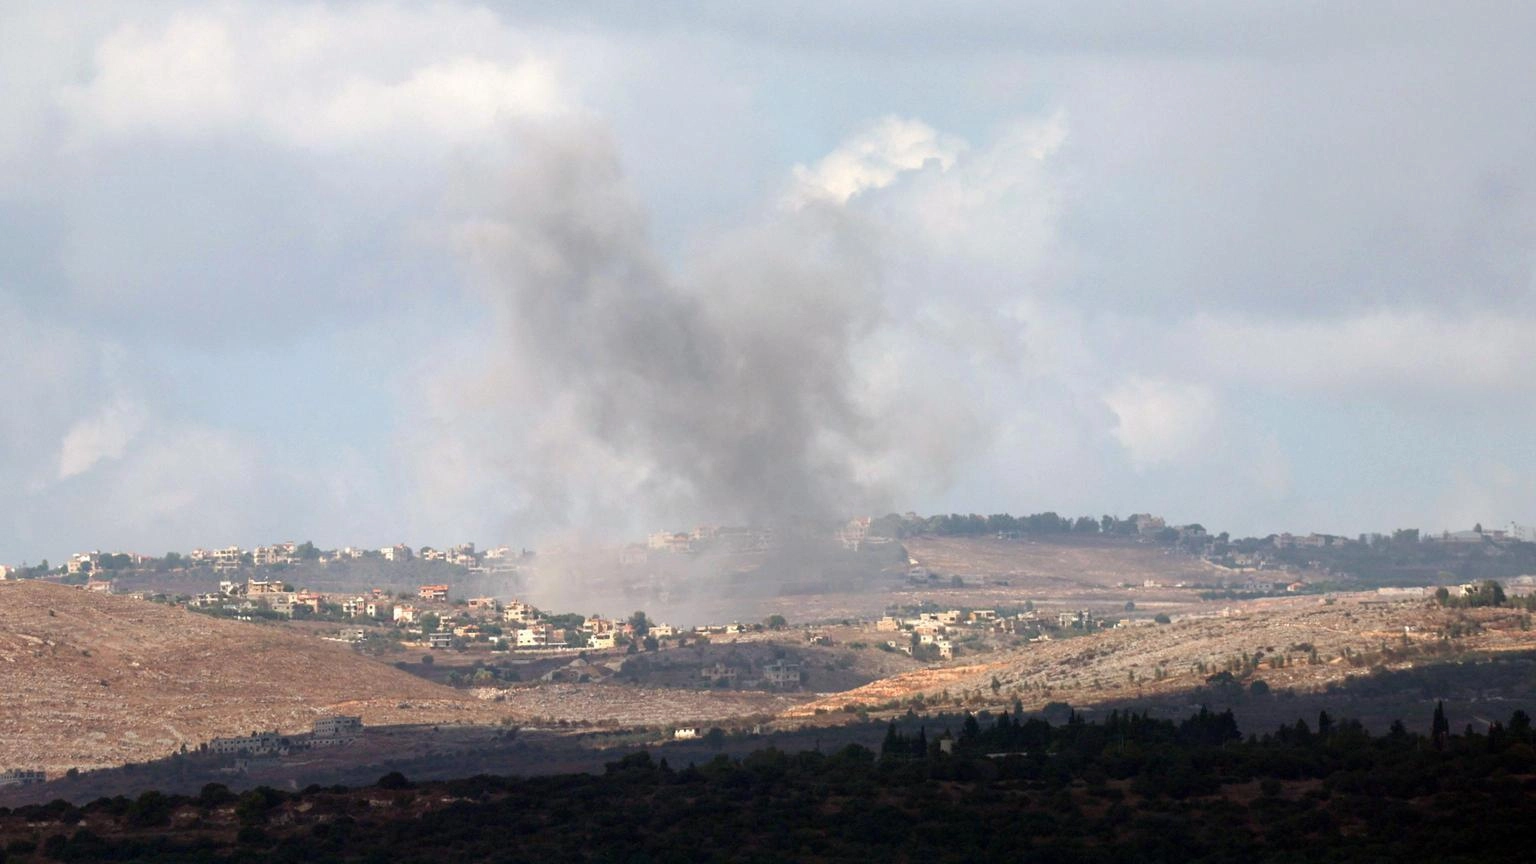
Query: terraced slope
[
  {"x": 92, "y": 680},
  {"x": 1297, "y": 642}
]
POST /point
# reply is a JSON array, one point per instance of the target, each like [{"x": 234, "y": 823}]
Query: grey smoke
[{"x": 727, "y": 384}]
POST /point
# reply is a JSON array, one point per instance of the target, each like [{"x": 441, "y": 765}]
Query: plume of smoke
[{"x": 724, "y": 388}]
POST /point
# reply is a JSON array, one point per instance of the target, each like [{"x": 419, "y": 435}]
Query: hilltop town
[{"x": 952, "y": 610}]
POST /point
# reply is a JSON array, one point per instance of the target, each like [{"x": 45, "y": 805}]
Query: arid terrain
[
  {"x": 1304, "y": 643},
  {"x": 95, "y": 680}
]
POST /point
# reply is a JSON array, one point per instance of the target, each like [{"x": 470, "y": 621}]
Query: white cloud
[
  {"x": 872, "y": 159},
  {"x": 102, "y": 436},
  {"x": 378, "y": 76},
  {"x": 1161, "y": 421}
]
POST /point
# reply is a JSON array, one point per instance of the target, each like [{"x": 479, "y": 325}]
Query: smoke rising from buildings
[{"x": 722, "y": 389}]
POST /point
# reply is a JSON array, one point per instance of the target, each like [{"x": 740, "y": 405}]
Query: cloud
[
  {"x": 1161, "y": 421},
  {"x": 872, "y": 159},
  {"x": 102, "y": 436},
  {"x": 303, "y": 78}
]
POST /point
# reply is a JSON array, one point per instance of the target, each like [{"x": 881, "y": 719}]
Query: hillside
[
  {"x": 1286, "y": 642},
  {"x": 93, "y": 680},
  {"x": 1057, "y": 561}
]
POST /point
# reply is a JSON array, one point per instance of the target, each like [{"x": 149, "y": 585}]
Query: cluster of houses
[
  {"x": 330, "y": 731},
  {"x": 516, "y": 624},
  {"x": 230, "y": 559},
  {"x": 939, "y": 629}
]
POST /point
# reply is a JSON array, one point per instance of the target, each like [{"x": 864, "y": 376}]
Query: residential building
[
  {"x": 518, "y": 612},
  {"x": 432, "y": 592},
  {"x": 281, "y": 602},
  {"x": 601, "y": 641},
  {"x": 534, "y": 637},
  {"x": 668, "y": 541},
  {"x": 782, "y": 674},
  {"x": 405, "y": 614},
  {"x": 22, "y": 777},
  {"x": 280, "y": 553},
  {"x": 484, "y": 604},
  {"x": 380, "y": 609},
  {"x": 397, "y": 553},
  {"x": 852, "y": 534},
  {"x": 440, "y": 640},
  {"x": 83, "y": 562},
  {"x": 254, "y": 743},
  {"x": 338, "y": 726},
  {"x": 720, "y": 672},
  {"x": 228, "y": 558}
]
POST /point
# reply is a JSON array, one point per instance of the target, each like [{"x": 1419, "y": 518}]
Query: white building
[
  {"x": 254, "y": 743},
  {"x": 338, "y": 726}
]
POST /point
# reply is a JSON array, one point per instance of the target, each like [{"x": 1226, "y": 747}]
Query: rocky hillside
[
  {"x": 93, "y": 680},
  {"x": 1287, "y": 643}
]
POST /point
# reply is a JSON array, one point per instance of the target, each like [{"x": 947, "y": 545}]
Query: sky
[{"x": 373, "y": 272}]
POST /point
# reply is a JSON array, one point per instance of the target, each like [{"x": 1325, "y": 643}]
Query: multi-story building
[
  {"x": 518, "y": 612},
  {"x": 533, "y": 637},
  {"x": 782, "y": 674},
  {"x": 22, "y": 777},
  {"x": 484, "y": 604},
  {"x": 432, "y": 592},
  {"x": 254, "y": 744},
  {"x": 397, "y": 553},
  {"x": 228, "y": 558},
  {"x": 338, "y": 726}
]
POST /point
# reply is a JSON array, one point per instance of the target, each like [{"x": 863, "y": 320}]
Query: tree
[
  {"x": 1439, "y": 727},
  {"x": 430, "y": 622},
  {"x": 776, "y": 622}
]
